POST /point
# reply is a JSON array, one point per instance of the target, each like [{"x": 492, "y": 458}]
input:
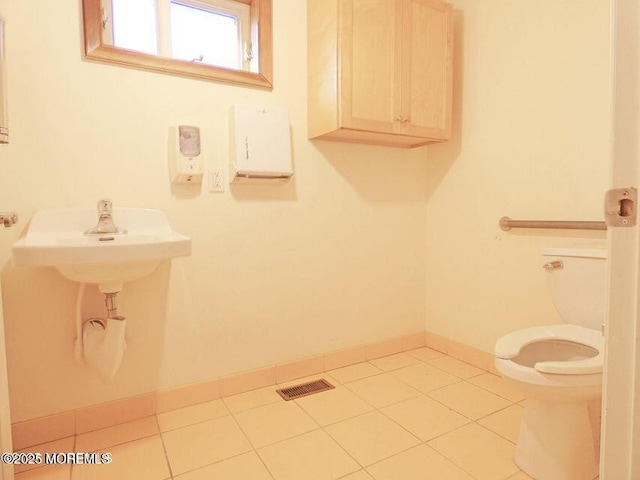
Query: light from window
[
  {"x": 134, "y": 25},
  {"x": 204, "y": 36}
]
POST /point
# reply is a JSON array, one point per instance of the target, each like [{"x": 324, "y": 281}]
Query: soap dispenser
[{"x": 187, "y": 165}]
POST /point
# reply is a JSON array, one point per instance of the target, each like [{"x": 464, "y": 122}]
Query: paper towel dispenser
[{"x": 260, "y": 144}]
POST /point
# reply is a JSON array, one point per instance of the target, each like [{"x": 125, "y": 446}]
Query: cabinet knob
[{"x": 402, "y": 120}]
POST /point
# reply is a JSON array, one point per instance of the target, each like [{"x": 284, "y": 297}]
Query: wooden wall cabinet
[{"x": 380, "y": 71}]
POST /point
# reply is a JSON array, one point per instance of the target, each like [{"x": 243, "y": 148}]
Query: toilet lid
[{"x": 510, "y": 345}]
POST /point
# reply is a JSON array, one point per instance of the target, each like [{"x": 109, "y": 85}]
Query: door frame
[
  {"x": 620, "y": 454},
  {"x": 6, "y": 445}
]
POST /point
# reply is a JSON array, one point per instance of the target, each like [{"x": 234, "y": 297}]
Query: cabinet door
[
  {"x": 371, "y": 61},
  {"x": 427, "y": 68}
]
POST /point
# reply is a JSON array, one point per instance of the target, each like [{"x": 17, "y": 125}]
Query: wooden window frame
[{"x": 261, "y": 36}]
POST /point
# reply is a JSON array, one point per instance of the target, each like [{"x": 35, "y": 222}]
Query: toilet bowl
[{"x": 559, "y": 369}]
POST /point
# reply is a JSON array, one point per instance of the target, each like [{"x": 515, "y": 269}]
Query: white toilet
[{"x": 559, "y": 368}]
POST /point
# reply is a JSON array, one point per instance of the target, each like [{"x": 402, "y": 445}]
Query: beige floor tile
[
  {"x": 419, "y": 463},
  {"x": 312, "y": 456},
  {"x": 456, "y": 367},
  {"x": 425, "y": 353},
  {"x": 482, "y": 453},
  {"x": 382, "y": 390},
  {"x": 523, "y": 476},
  {"x": 195, "y": 446},
  {"x": 354, "y": 372},
  {"x": 371, "y": 437},
  {"x": 48, "y": 472},
  {"x": 471, "y": 401},
  {"x": 394, "y": 362},
  {"x": 424, "y": 417},
  {"x": 499, "y": 386},
  {"x": 272, "y": 423},
  {"x": 138, "y": 460},
  {"x": 361, "y": 475},
  {"x": 62, "y": 445},
  {"x": 243, "y": 467},
  {"x": 116, "y": 435},
  {"x": 505, "y": 423},
  {"x": 424, "y": 377},
  {"x": 252, "y": 399},
  {"x": 193, "y": 414},
  {"x": 333, "y": 405}
]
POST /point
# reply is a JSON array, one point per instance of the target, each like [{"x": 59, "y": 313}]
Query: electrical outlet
[{"x": 216, "y": 180}]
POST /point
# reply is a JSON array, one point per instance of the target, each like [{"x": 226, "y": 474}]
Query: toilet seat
[{"x": 511, "y": 344}]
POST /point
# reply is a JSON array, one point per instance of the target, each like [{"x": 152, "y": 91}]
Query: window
[
  {"x": 151, "y": 36},
  {"x": 212, "y": 32},
  {"x": 136, "y": 26}
]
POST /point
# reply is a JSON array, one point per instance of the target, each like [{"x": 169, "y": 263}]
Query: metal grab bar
[{"x": 507, "y": 224}]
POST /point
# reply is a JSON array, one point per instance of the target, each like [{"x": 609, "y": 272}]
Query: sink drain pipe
[
  {"x": 78, "y": 347},
  {"x": 110, "y": 303}
]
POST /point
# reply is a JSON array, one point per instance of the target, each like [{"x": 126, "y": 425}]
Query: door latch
[{"x": 620, "y": 207}]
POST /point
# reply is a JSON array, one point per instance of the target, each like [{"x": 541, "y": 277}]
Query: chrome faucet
[{"x": 105, "y": 220}]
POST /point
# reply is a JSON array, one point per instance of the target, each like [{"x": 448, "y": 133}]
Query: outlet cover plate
[{"x": 216, "y": 180}]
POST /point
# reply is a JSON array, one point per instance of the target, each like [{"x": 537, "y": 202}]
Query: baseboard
[
  {"x": 66, "y": 424},
  {"x": 477, "y": 358}
]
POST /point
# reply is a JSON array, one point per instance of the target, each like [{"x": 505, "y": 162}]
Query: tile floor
[{"x": 411, "y": 416}]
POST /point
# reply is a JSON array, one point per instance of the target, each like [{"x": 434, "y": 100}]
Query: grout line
[
  {"x": 496, "y": 433},
  {"x": 264, "y": 464},
  {"x": 254, "y": 449},
  {"x": 353, "y": 473},
  {"x": 324, "y": 428},
  {"x": 191, "y": 424},
  {"x": 319, "y": 427},
  {"x": 364, "y": 467},
  {"x": 164, "y": 448},
  {"x": 344, "y": 450},
  {"x": 276, "y": 400},
  {"x": 235, "y": 420},
  {"x": 497, "y": 411},
  {"x": 396, "y": 453},
  {"x": 75, "y": 441},
  {"x": 426, "y": 442},
  {"x": 450, "y": 460},
  {"x": 375, "y": 409},
  {"x": 224, "y": 460},
  {"x": 396, "y": 423},
  {"x": 471, "y": 420},
  {"x": 379, "y": 372}
]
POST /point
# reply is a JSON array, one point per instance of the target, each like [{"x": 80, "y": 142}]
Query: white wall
[
  {"x": 333, "y": 259},
  {"x": 338, "y": 257},
  {"x": 532, "y": 142}
]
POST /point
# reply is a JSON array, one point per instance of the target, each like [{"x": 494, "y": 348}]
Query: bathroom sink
[{"x": 57, "y": 238}]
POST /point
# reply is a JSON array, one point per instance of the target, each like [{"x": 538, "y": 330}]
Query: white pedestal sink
[
  {"x": 56, "y": 238},
  {"x": 59, "y": 238}
]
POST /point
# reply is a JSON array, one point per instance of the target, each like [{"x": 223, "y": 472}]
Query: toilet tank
[{"x": 578, "y": 287}]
